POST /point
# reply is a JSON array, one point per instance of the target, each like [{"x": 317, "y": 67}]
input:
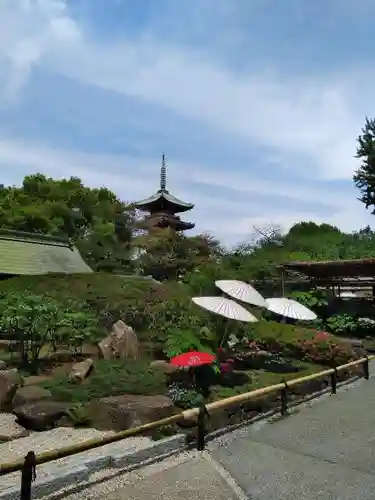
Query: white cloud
[
  {"x": 228, "y": 218},
  {"x": 28, "y": 29},
  {"x": 311, "y": 122}
]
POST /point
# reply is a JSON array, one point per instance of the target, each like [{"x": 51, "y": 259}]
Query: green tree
[
  {"x": 95, "y": 219},
  {"x": 35, "y": 321},
  {"x": 364, "y": 176},
  {"x": 170, "y": 256}
]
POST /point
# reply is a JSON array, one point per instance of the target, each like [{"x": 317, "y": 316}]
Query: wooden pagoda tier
[{"x": 162, "y": 208}]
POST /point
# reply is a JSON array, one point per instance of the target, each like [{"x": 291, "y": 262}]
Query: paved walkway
[{"x": 326, "y": 450}]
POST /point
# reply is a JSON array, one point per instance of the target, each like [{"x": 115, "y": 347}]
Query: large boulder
[
  {"x": 121, "y": 343},
  {"x": 10, "y": 381},
  {"x": 164, "y": 366},
  {"x": 40, "y": 415},
  {"x": 30, "y": 394},
  {"x": 123, "y": 412},
  {"x": 9, "y": 428},
  {"x": 81, "y": 370}
]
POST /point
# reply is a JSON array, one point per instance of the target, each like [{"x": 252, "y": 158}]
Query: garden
[
  {"x": 94, "y": 349},
  {"x": 57, "y": 372}
]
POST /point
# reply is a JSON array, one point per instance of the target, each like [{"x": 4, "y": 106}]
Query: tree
[
  {"x": 95, "y": 219},
  {"x": 34, "y": 321},
  {"x": 166, "y": 255},
  {"x": 364, "y": 177}
]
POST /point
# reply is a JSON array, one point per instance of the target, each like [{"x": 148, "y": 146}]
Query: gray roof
[
  {"x": 182, "y": 206},
  {"x": 27, "y": 253}
]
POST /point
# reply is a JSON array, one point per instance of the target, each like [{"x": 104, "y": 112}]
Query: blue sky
[{"x": 256, "y": 103}]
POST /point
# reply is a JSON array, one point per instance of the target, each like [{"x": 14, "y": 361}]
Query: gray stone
[
  {"x": 40, "y": 415},
  {"x": 122, "y": 412},
  {"x": 30, "y": 394},
  {"x": 121, "y": 343},
  {"x": 81, "y": 370},
  {"x": 9, "y": 428},
  {"x": 10, "y": 380}
]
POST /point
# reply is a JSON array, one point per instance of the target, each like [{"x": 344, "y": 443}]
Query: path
[{"x": 326, "y": 450}]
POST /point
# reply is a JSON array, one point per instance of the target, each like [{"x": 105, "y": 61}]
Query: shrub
[
  {"x": 109, "y": 378},
  {"x": 32, "y": 321},
  {"x": 326, "y": 352},
  {"x": 184, "y": 398},
  {"x": 302, "y": 343}
]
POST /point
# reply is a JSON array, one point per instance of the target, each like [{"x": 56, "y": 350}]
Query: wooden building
[
  {"x": 162, "y": 207},
  {"x": 351, "y": 276},
  {"x": 24, "y": 253}
]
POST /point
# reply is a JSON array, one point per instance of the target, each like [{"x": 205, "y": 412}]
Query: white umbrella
[
  {"x": 290, "y": 309},
  {"x": 242, "y": 291},
  {"x": 225, "y": 307},
  {"x": 347, "y": 295}
]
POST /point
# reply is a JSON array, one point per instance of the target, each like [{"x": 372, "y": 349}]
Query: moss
[
  {"x": 109, "y": 378},
  {"x": 263, "y": 378}
]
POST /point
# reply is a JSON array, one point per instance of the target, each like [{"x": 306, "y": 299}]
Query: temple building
[
  {"x": 162, "y": 208},
  {"x": 24, "y": 253}
]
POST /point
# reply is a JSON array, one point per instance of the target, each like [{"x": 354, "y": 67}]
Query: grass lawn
[{"x": 263, "y": 378}]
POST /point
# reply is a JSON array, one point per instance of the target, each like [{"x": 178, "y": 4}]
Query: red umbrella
[{"x": 193, "y": 359}]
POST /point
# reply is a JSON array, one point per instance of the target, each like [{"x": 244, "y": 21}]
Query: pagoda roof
[
  {"x": 24, "y": 253},
  {"x": 164, "y": 195},
  {"x": 163, "y": 198}
]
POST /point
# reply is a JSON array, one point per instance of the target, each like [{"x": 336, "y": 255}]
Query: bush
[
  {"x": 109, "y": 378},
  {"x": 184, "y": 398},
  {"x": 161, "y": 314},
  {"x": 302, "y": 343},
  {"x": 150, "y": 308},
  {"x": 33, "y": 321}
]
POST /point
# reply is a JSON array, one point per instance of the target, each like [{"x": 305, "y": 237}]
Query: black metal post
[
  {"x": 334, "y": 381},
  {"x": 28, "y": 475},
  {"x": 201, "y": 428},
  {"x": 366, "y": 369},
  {"x": 284, "y": 400}
]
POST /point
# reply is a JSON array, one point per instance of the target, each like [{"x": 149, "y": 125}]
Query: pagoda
[{"x": 162, "y": 208}]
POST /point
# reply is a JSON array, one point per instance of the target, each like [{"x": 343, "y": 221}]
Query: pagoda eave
[
  {"x": 163, "y": 201},
  {"x": 183, "y": 226}
]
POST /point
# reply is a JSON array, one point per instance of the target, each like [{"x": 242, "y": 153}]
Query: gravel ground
[
  {"x": 57, "y": 439},
  {"x": 46, "y": 441}
]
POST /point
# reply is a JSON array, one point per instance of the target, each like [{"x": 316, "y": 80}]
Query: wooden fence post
[{"x": 28, "y": 475}]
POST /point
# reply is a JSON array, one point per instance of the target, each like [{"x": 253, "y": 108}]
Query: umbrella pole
[{"x": 225, "y": 334}]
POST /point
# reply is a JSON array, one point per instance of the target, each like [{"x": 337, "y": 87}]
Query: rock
[
  {"x": 126, "y": 411},
  {"x": 9, "y": 428},
  {"x": 105, "y": 348},
  {"x": 2, "y": 365},
  {"x": 309, "y": 387},
  {"x": 10, "y": 380},
  {"x": 30, "y": 394},
  {"x": 164, "y": 366},
  {"x": 121, "y": 343},
  {"x": 81, "y": 370},
  {"x": 40, "y": 415}
]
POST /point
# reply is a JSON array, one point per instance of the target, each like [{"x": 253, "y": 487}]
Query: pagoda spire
[{"x": 163, "y": 175}]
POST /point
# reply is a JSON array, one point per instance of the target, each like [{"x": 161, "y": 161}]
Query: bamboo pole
[
  {"x": 308, "y": 378},
  {"x": 48, "y": 456},
  {"x": 353, "y": 363}
]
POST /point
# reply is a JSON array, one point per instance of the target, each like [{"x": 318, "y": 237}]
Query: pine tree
[{"x": 364, "y": 177}]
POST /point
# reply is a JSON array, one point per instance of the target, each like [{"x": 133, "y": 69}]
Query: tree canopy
[
  {"x": 94, "y": 219},
  {"x": 104, "y": 228},
  {"x": 364, "y": 177}
]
